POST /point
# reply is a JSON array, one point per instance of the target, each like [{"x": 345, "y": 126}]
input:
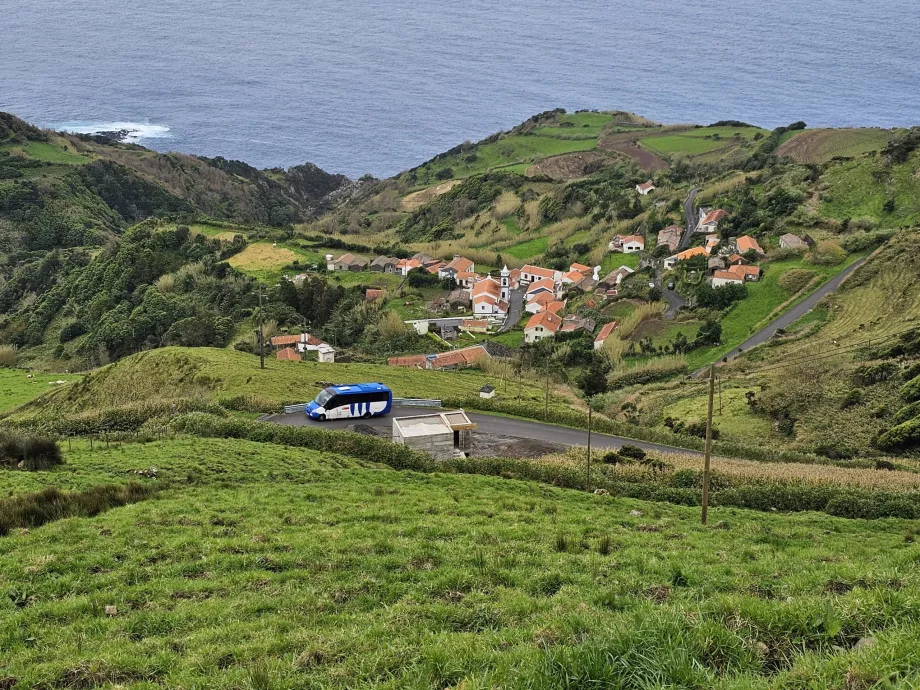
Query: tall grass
[
  {"x": 646, "y": 372},
  {"x": 629, "y": 323},
  {"x": 506, "y": 205},
  {"x": 9, "y": 355}
]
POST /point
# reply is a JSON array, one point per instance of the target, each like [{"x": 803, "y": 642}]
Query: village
[{"x": 539, "y": 303}]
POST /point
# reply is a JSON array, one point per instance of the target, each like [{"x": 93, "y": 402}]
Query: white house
[
  {"x": 531, "y": 273},
  {"x": 540, "y": 287},
  {"x": 720, "y": 278},
  {"x": 542, "y": 325},
  {"x": 603, "y": 334},
  {"x": 457, "y": 265},
  {"x": 633, "y": 244},
  {"x": 645, "y": 188},
  {"x": 709, "y": 220}
]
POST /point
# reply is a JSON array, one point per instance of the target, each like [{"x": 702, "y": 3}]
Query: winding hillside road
[
  {"x": 493, "y": 424},
  {"x": 689, "y": 218},
  {"x": 798, "y": 311}
]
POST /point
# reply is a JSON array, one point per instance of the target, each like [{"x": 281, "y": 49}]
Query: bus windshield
[{"x": 324, "y": 397}]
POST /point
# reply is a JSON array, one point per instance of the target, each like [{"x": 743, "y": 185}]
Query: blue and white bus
[{"x": 353, "y": 400}]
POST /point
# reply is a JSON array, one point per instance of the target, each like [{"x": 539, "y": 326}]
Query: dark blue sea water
[{"x": 359, "y": 86}]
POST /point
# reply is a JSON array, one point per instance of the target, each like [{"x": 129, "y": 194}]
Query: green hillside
[
  {"x": 264, "y": 566},
  {"x": 213, "y": 375}
]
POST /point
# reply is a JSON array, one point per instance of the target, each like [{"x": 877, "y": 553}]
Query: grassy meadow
[
  {"x": 16, "y": 388},
  {"x": 700, "y": 140},
  {"x": 817, "y": 146},
  {"x": 861, "y": 188},
  {"x": 263, "y": 566}
]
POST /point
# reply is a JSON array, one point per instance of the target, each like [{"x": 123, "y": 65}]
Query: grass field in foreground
[
  {"x": 286, "y": 568},
  {"x": 17, "y": 388}
]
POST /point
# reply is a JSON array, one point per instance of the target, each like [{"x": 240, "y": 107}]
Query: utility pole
[
  {"x": 261, "y": 334},
  {"x": 720, "y": 396},
  {"x": 588, "y": 477},
  {"x": 712, "y": 387},
  {"x": 546, "y": 400}
]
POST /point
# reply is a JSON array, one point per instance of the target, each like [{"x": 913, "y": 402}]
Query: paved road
[
  {"x": 515, "y": 310},
  {"x": 675, "y": 301},
  {"x": 492, "y": 424},
  {"x": 799, "y": 310},
  {"x": 689, "y": 218}
]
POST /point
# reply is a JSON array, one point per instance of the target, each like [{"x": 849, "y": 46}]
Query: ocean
[{"x": 377, "y": 87}]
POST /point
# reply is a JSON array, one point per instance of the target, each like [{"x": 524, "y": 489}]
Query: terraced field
[{"x": 818, "y": 146}]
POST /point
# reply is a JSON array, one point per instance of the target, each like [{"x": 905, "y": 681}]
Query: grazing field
[
  {"x": 861, "y": 189},
  {"x": 700, "y": 140},
  {"x": 17, "y": 388},
  {"x": 274, "y": 567},
  {"x": 818, "y": 146},
  {"x": 210, "y": 374},
  {"x": 53, "y": 151},
  {"x": 510, "y": 150},
  {"x": 577, "y": 125},
  {"x": 613, "y": 260},
  {"x": 529, "y": 249}
]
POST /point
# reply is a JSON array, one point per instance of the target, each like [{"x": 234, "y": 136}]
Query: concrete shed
[{"x": 443, "y": 435}]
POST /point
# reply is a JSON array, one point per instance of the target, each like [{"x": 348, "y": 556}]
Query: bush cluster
[
  {"x": 29, "y": 452},
  {"x": 49, "y": 504}
]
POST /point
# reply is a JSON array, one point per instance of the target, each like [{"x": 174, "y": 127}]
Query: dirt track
[{"x": 625, "y": 143}]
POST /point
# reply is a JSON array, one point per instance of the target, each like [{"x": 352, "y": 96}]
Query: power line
[{"x": 839, "y": 351}]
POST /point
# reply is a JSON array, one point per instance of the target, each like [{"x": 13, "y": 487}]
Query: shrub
[
  {"x": 910, "y": 391},
  {"x": 8, "y": 356},
  {"x": 634, "y": 452},
  {"x": 869, "y": 374},
  {"x": 907, "y": 412},
  {"x": 901, "y": 437},
  {"x": 827, "y": 253},
  {"x": 72, "y": 330},
  {"x": 31, "y": 452},
  {"x": 911, "y": 372},
  {"x": 795, "y": 279},
  {"x": 698, "y": 429},
  {"x": 49, "y": 504},
  {"x": 853, "y": 397}
]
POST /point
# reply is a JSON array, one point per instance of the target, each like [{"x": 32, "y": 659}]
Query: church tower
[{"x": 506, "y": 284}]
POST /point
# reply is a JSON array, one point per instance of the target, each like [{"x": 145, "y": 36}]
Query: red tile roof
[
  {"x": 410, "y": 361},
  {"x": 539, "y": 271},
  {"x": 715, "y": 216},
  {"x": 728, "y": 275},
  {"x": 461, "y": 264},
  {"x": 746, "y": 243},
  {"x": 607, "y": 329},
  {"x": 547, "y": 319},
  {"x": 288, "y": 353},
  {"x": 373, "y": 294},
  {"x": 581, "y": 268}
]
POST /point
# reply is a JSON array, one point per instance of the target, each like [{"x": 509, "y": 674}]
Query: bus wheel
[
  {"x": 322, "y": 418},
  {"x": 366, "y": 415}
]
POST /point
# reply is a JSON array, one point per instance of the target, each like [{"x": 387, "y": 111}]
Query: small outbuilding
[
  {"x": 444, "y": 435},
  {"x": 487, "y": 392}
]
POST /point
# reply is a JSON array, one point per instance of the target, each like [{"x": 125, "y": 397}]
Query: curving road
[
  {"x": 493, "y": 424},
  {"x": 689, "y": 218},
  {"x": 798, "y": 311}
]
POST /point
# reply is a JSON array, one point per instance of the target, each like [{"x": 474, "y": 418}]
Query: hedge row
[
  {"x": 604, "y": 425},
  {"x": 672, "y": 487},
  {"x": 368, "y": 448},
  {"x": 114, "y": 419}
]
